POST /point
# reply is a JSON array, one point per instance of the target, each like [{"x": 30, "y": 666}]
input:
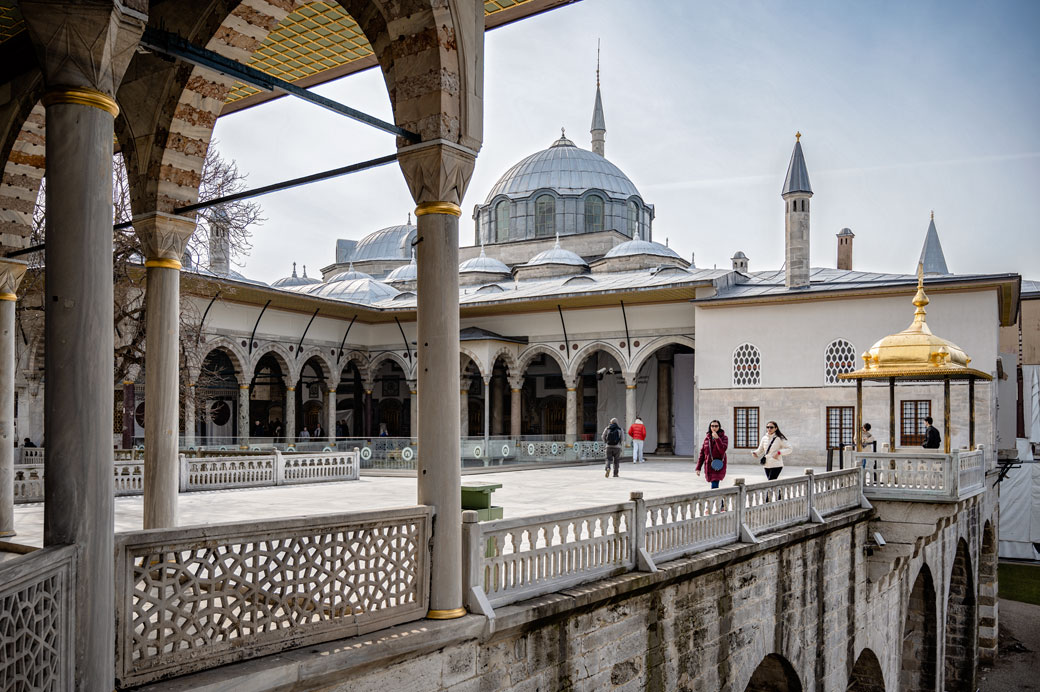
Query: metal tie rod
[{"x": 175, "y": 46}]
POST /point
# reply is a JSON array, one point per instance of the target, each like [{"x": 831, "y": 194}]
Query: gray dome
[
  {"x": 354, "y": 291},
  {"x": 566, "y": 169},
  {"x": 407, "y": 272},
  {"x": 483, "y": 264},
  {"x": 391, "y": 243},
  {"x": 739, "y": 255},
  {"x": 641, "y": 247},
  {"x": 350, "y": 275},
  {"x": 295, "y": 280},
  {"x": 557, "y": 255},
  {"x": 229, "y": 274}
]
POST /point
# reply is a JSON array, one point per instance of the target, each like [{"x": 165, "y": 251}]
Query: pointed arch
[
  {"x": 650, "y": 347},
  {"x": 328, "y": 368},
  {"x": 532, "y": 352},
  {"x": 358, "y": 358},
  {"x": 866, "y": 674},
  {"x": 583, "y": 353},
  {"x": 377, "y": 361},
  {"x": 479, "y": 364},
  {"x": 238, "y": 357},
  {"x": 920, "y": 646},
  {"x": 506, "y": 353},
  {"x": 959, "y": 659},
  {"x": 774, "y": 674},
  {"x": 281, "y": 354},
  {"x": 24, "y": 158}
]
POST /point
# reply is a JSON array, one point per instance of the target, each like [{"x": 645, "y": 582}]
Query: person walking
[
  {"x": 612, "y": 436},
  {"x": 932, "y": 438},
  {"x": 866, "y": 439},
  {"x": 772, "y": 450},
  {"x": 637, "y": 431},
  {"x": 713, "y": 454}
]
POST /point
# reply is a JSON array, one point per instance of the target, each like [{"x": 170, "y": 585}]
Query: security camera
[
  {"x": 879, "y": 539},
  {"x": 604, "y": 371}
]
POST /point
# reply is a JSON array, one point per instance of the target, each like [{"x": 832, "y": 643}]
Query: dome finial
[
  {"x": 933, "y": 215},
  {"x": 597, "y": 63},
  {"x": 305, "y": 271},
  {"x": 294, "y": 269},
  {"x": 563, "y": 133},
  {"x": 920, "y": 298},
  {"x": 409, "y": 218},
  {"x": 797, "y": 136},
  {"x": 557, "y": 239}
]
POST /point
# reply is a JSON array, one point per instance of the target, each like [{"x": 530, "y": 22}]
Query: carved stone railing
[
  {"x": 923, "y": 476},
  {"x": 514, "y": 559},
  {"x": 29, "y": 455},
  {"x": 212, "y": 473},
  {"x": 189, "y": 599},
  {"x": 37, "y": 606}
]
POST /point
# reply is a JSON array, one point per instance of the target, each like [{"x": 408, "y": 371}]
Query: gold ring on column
[
  {"x": 163, "y": 263},
  {"x": 445, "y": 614},
  {"x": 425, "y": 208},
  {"x": 8, "y": 296},
  {"x": 82, "y": 96}
]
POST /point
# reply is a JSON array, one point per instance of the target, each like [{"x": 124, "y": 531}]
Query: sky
[{"x": 904, "y": 108}]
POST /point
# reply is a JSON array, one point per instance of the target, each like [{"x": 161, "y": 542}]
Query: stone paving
[{"x": 523, "y": 493}]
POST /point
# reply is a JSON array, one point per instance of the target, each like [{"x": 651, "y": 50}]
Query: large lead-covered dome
[
  {"x": 565, "y": 168},
  {"x": 391, "y": 243}
]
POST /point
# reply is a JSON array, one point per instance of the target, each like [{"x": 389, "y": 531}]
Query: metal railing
[
  {"x": 193, "y": 598},
  {"x": 514, "y": 559},
  {"x": 923, "y": 476}
]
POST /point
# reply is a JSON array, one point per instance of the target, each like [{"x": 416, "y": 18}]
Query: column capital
[
  {"x": 163, "y": 237},
  {"x": 84, "y": 44},
  {"x": 11, "y": 273},
  {"x": 437, "y": 171}
]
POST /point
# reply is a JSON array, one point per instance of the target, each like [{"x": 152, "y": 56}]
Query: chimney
[
  {"x": 219, "y": 242},
  {"x": 740, "y": 261},
  {"x": 845, "y": 249}
]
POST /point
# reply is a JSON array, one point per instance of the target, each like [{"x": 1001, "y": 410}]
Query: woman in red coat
[{"x": 713, "y": 450}]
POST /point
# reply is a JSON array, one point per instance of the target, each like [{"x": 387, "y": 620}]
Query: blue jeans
[
  {"x": 637, "y": 451},
  {"x": 714, "y": 484}
]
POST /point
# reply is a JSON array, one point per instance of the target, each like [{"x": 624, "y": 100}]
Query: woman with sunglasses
[
  {"x": 772, "y": 450},
  {"x": 713, "y": 454}
]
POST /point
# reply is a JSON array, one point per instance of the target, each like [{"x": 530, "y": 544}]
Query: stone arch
[
  {"x": 24, "y": 157},
  {"x": 587, "y": 350},
  {"x": 377, "y": 360},
  {"x": 285, "y": 360},
  {"x": 507, "y": 355},
  {"x": 652, "y": 346},
  {"x": 358, "y": 358},
  {"x": 987, "y": 604},
  {"x": 328, "y": 368},
  {"x": 533, "y": 352},
  {"x": 477, "y": 362},
  {"x": 959, "y": 659},
  {"x": 918, "y": 668},
  {"x": 774, "y": 674},
  {"x": 238, "y": 357},
  {"x": 866, "y": 675}
]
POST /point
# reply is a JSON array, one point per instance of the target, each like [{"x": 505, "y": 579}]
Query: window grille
[
  {"x": 745, "y": 427},
  {"x": 912, "y": 425},
  {"x": 593, "y": 214},
  {"x": 840, "y": 357},
  {"x": 747, "y": 363},
  {"x": 633, "y": 219},
  {"x": 544, "y": 215},
  {"x": 840, "y": 426}
]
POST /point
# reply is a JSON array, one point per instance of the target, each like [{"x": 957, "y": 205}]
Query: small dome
[
  {"x": 350, "y": 275},
  {"x": 641, "y": 247},
  {"x": 557, "y": 255},
  {"x": 354, "y": 290},
  {"x": 739, "y": 255},
  {"x": 391, "y": 243},
  {"x": 846, "y": 231},
  {"x": 483, "y": 264},
  {"x": 295, "y": 280},
  {"x": 406, "y": 272}
]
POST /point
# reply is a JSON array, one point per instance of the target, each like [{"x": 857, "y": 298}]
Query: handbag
[
  {"x": 763, "y": 459},
  {"x": 716, "y": 464}
]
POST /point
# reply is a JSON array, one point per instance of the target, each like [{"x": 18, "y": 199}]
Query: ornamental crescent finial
[{"x": 797, "y": 136}]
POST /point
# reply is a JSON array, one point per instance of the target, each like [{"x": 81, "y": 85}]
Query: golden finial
[
  {"x": 933, "y": 215},
  {"x": 797, "y": 136},
  {"x": 920, "y": 298},
  {"x": 597, "y": 63}
]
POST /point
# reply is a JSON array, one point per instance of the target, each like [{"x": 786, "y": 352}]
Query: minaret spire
[
  {"x": 796, "y": 194},
  {"x": 599, "y": 125}
]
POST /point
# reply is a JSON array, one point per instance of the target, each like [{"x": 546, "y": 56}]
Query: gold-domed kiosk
[{"x": 915, "y": 354}]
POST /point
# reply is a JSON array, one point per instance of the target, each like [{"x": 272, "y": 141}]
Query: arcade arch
[
  {"x": 311, "y": 414},
  {"x": 918, "y": 668},
  {"x": 350, "y": 401},
  {"x": 987, "y": 603},
  {"x": 600, "y": 389},
  {"x": 774, "y": 674},
  {"x": 866, "y": 675},
  {"x": 543, "y": 395},
  {"x": 217, "y": 394},
  {"x": 391, "y": 398},
  {"x": 959, "y": 659}
]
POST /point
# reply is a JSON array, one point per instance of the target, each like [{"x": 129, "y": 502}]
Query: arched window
[
  {"x": 593, "y": 214},
  {"x": 544, "y": 215},
  {"x": 747, "y": 366},
  {"x": 633, "y": 219},
  {"x": 502, "y": 220},
  {"x": 839, "y": 357}
]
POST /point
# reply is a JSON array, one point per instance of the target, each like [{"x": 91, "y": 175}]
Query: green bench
[{"x": 477, "y": 496}]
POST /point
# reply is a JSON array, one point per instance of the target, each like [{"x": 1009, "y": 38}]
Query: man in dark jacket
[
  {"x": 932, "y": 439},
  {"x": 613, "y": 438}
]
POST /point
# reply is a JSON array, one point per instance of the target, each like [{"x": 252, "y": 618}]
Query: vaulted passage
[
  {"x": 774, "y": 674},
  {"x": 917, "y": 672},
  {"x": 959, "y": 664},
  {"x": 866, "y": 675}
]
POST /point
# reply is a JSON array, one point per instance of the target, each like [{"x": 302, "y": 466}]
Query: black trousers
[
  {"x": 773, "y": 473},
  {"x": 615, "y": 454}
]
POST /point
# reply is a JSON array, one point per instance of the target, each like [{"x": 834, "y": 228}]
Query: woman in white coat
[{"x": 772, "y": 450}]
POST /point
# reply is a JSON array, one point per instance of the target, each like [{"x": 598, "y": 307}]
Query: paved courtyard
[{"x": 523, "y": 493}]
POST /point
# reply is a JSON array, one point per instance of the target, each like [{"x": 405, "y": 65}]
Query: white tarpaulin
[
  {"x": 1020, "y": 508},
  {"x": 682, "y": 402},
  {"x": 1034, "y": 405}
]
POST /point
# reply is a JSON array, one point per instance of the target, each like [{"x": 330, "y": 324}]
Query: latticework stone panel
[
  {"x": 747, "y": 366},
  {"x": 36, "y": 621},
  {"x": 195, "y": 598}
]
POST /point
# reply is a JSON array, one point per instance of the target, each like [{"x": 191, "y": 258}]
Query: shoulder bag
[{"x": 763, "y": 459}]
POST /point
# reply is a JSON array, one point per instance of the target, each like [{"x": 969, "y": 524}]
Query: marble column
[
  {"x": 664, "y": 404},
  {"x": 630, "y": 401},
  {"x": 369, "y": 423},
  {"x": 579, "y": 400},
  {"x": 163, "y": 239},
  {"x": 464, "y": 407},
  {"x": 330, "y": 428},
  {"x": 498, "y": 405},
  {"x": 487, "y": 413},
  {"x": 290, "y": 415},
  {"x": 129, "y": 404},
  {"x": 572, "y": 412},
  {"x": 515, "y": 409},
  {"x": 244, "y": 424},
  {"x": 82, "y": 50},
  {"x": 189, "y": 416},
  {"x": 11, "y": 272},
  {"x": 413, "y": 402}
]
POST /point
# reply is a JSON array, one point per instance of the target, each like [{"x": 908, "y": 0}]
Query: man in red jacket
[{"x": 637, "y": 431}]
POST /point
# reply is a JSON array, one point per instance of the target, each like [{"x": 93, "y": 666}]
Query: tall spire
[
  {"x": 599, "y": 125},
  {"x": 932, "y": 258},
  {"x": 796, "y": 195},
  {"x": 797, "y": 175}
]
